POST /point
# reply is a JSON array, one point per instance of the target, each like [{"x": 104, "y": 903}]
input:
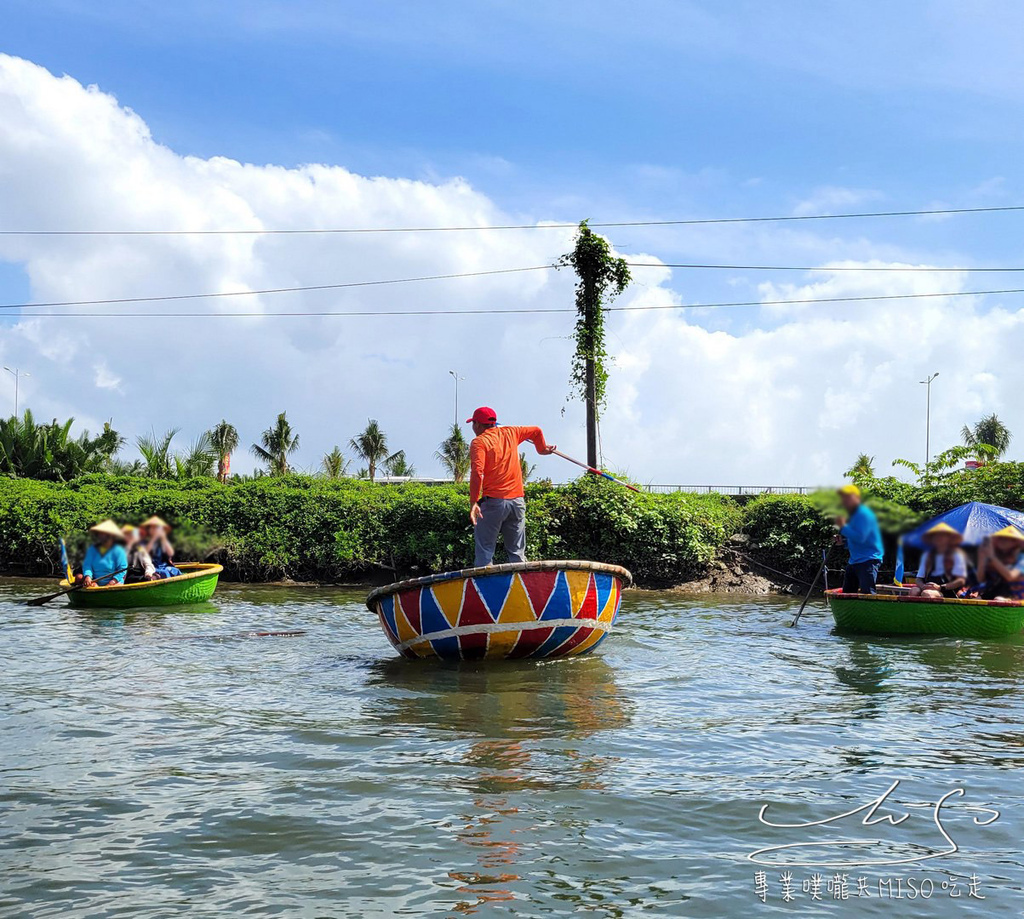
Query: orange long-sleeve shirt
[{"x": 495, "y": 471}]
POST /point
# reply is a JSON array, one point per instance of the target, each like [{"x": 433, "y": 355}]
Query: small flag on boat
[
  {"x": 68, "y": 573},
  {"x": 898, "y": 579}
]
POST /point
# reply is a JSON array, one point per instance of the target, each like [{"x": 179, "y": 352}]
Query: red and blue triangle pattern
[{"x": 537, "y": 610}]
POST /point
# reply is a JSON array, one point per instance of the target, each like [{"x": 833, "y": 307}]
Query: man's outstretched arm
[{"x": 536, "y": 436}]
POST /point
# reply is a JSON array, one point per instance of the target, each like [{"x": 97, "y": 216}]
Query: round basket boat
[
  {"x": 196, "y": 583},
  {"x": 881, "y": 614},
  {"x": 522, "y": 610}
]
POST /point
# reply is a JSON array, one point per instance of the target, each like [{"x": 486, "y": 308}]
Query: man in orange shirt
[{"x": 496, "y": 485}]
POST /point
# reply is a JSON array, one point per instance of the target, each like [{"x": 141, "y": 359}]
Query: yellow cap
[
  {"x": 850, "y": 489},
  {"x": 941, "y": 529},
  {"x": 1010, "y": 532}
]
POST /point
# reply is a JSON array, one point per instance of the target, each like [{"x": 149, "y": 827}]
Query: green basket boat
[
  {"x": 884, "y": 614},
  {"x": 197, "y": 583}
]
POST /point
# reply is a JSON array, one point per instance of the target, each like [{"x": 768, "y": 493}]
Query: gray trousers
[{"x": 500, "y": 515}]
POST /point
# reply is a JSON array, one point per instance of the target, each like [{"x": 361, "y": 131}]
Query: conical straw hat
[
  {"x": 155, "y": 521},
  {"x": 943, "y": 529},
  {"x": 108, "y": 528}
]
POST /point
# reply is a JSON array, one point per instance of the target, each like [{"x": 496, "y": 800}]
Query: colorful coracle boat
[
  {"x": 197, "y": 583},
  {"x": 523, "y": 610},
  {"x": 895, "y": 614}
]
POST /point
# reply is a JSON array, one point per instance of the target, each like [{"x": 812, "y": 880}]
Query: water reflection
[
  {"x": 524, "y": 699},
  {"x": 98, "y": 623},
  {"x": 504, "y": 710}
]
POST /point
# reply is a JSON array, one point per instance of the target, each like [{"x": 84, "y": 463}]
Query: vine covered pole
[
  {"x": 601, "y": 277},
  {"x": 590, "y": 371}
]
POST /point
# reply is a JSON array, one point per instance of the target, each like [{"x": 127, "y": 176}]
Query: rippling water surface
[{"x": 159, "y": 764}]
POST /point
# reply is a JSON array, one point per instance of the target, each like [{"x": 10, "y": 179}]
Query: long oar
[
  {"x": 39, "y": 601},
  {"x": 807, "y": 597},
  {"x": 594, "y": 471}
]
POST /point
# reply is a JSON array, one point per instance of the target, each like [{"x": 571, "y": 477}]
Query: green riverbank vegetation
[
  {"x": 330, "y": 527},
  {"x": 311, "y": 528}
]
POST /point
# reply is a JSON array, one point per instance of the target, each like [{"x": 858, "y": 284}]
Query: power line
[
  {"x": 441, "y": 277},
  {"x": 530, "y": 310},
  {"x": 814, "y": 267},
  {"x": 272, "y": 290},
  {"x": 521, "y": 226}
]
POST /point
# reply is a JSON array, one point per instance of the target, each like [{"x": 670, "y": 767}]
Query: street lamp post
[
  {"x": 928, "y": 423},
  {"x": 17, "y": 374},
  {"x": 456, "y": 378}
]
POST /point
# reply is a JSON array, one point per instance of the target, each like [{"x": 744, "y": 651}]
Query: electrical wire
[
  {"x": 442, "y": 277},
  {"x": 523, "y": 226},
  {"x": 530, "y": 310},
  {"x": 272, "y": 290},
  {"x": 818, "y": 267}
]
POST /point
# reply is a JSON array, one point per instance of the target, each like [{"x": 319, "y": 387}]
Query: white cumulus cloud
[{"x": 766, "y": 396}]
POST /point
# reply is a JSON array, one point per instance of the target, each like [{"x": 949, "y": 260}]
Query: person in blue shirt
[
  {"x": 105, "y": 560},
  {"x": 860, "y": 532}
]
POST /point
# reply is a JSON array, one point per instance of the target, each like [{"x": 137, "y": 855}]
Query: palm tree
[
  {"x": 276, "y": 445},
  {"x": 454, "y": 454},
  {"x": 156, "y": 454},
  {"x": 334, "y": 464},
  {"x": 372, "y": 446},
  {"x": 527, "y": 468},
  {"x": 224, "y": 440},
  {"x": 199, "y": 460},
  {"x": 989, "y": 430},
  {"x": 862, "y": 468},
  {"x": 398, "y": 466},
  {"x": 48, "y": 451}
]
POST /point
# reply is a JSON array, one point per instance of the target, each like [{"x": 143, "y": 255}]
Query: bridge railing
[{"x": 736, "y": 490}]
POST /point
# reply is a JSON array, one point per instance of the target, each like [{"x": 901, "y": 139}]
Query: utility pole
[
  {"x": 17, "y": 374},
  {"x": 928, "y": 423},
  {"x": 602, "y": 277},
  {"x": 590, "y": 380},
  {"x": 456, "y": 377}
]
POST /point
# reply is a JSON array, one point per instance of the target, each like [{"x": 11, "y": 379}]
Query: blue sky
[
  {"x": 653, "y": 110},
  {"x": 914, "y": 100}
]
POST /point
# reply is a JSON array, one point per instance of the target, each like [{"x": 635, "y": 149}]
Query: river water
[{"x": 161, "y": 763}]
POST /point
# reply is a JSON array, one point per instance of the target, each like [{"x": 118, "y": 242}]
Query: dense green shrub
[
  {"x": 312, "y": 528},
  {"x": 788, "y": 532},
  {"x": 321, "y": 529}
]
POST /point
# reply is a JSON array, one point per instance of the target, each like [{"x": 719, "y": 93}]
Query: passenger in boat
[
  {"x": 1000, "y": 566},
  {"x": 497, "y": 504},
  {"x": 105, "y": 560},
  {"x": 140, "y": 565},
  {"x": 860, "y": 532},
  {"x": 154, "y": 536},
  {"x": 944, "y": 567}
]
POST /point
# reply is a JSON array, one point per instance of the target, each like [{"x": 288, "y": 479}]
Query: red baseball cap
[{"x": 484, "y": 415}]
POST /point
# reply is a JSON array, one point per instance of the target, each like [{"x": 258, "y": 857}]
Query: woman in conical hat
[
  {"x": 105, "y": 560},
  {"x": 154, "y": 536},
  {"x": 944, "y": 568},
  {"x": 1000, "y": 567}
]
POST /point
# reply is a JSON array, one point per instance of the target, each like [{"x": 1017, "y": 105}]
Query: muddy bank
[{"x": 733, "y": 572}]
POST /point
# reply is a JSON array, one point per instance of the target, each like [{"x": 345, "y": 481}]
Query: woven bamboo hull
[
  {"x": 900, "y": 615},
  {"x": 196, "y": 584},
  {"x": 504, "y": 612}
]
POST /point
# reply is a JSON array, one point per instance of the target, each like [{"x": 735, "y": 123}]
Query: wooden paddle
[
  {"x": 594, "y": 471},
  {"x": 39, "y": 601},
  {"x": 807, "y": 596}
]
